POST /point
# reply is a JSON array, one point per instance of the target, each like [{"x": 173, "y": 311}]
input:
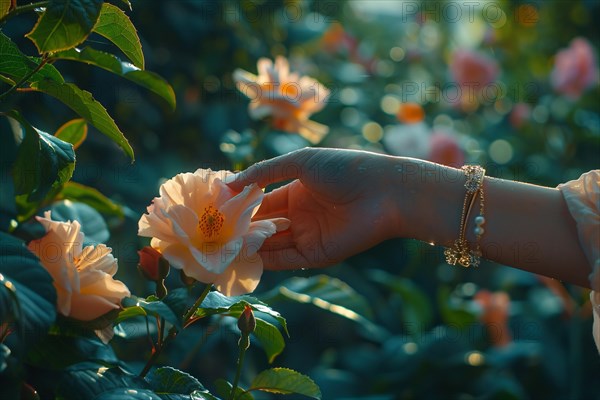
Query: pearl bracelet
[{"x": 460, "y": 252}]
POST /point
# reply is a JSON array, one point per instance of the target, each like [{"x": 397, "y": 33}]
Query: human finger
[{"x": 286, "y": 167}]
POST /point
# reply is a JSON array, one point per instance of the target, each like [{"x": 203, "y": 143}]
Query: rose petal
[
  {"x": 259, "y": 231},
  {"x": 216, "y": 257},
  {"x": 241, "y": 277},
  {"x": 238, "y": 211},
  {"x": 180, "y": 257},
  {"x": 89, "y": 307}
]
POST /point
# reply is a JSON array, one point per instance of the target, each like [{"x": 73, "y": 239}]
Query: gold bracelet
[{"x": 460, "y": 252}]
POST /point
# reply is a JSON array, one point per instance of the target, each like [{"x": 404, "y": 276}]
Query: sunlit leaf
[
  {"x": 270, "y": 338},
  {"x": 116, "y": 26},
  {"x": 325, "y": 292},
  {"x": 285, "y": 381},
  {"x": 84, "y": 194},
  {"x": 85, "y": 105},
  {"x": 217, "y": 303},
  {"x": 4, "y": 7},
  {"x": 65, "y": 24},
  {"x": 74, "y": 132},
  {"x": 109, "y": 62},
  {"x": 17, "y": 65},
  {"x": 157, "y": 308}
]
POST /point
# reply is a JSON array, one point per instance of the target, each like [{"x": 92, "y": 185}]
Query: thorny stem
[{"x": 160, "y": 344}]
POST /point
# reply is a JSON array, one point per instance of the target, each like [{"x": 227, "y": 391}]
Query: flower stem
[
  {"x": 193, "y": 309},
  {"x": 21, "y": 9},
  {"x": 243, "y": 345},
  {"x": 161, "y": 343}
]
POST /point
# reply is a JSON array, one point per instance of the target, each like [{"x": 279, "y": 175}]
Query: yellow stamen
[{"x": 211, "y": 222}]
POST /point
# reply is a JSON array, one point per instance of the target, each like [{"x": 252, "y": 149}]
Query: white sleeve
[{"x": 583, "y": 199}]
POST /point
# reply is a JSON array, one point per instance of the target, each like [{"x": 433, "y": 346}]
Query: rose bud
[
  {"x": 246, "y": 321},
  {"x": 152, "y": 264}
]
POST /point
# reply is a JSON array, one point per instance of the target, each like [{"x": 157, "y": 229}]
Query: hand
[{"x": 335, "y": 203}]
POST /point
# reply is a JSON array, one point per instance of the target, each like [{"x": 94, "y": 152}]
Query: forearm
[{"x": 527, "y": 226}]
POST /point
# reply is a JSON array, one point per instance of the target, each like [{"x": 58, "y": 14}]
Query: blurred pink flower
[
  {"x": 445, "y": 149},
  {"x": 472, "y": 72},
  {"x": 520, "y": 114},
  {"x": 83, "y": 277},
  {"x": 201, "y": 226},
  {"x": 286, "y": 97},
  {"x": 575, "y": 69}
]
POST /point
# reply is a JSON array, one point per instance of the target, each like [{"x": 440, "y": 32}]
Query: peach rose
[
  {"x": 83, "y": 276},
  {"x": 286, "y": 97},
  {"x": 201, "y": 226},
  {"x": 575, "y": 69}
]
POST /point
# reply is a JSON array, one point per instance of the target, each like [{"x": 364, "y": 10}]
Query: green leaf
[
  {"x": 128, "y": 394},
  {"x": 92, "y": 380},
  {"x": 26, "y": 292},
  {"x": 4, "y": 7},
  {"x": 417, "y": 313},
  {"x": 325, "y": 292},
  {"x": 217, "y": 303},
  {"x": 116, "y": 26},
  {"x": 86, "y": 106},
  {"x": 58, "y": 352},
  {"x": 92, "y": 224},
  {"x": 74, "y": 132},
  {"x": 285, "y": 381},
  {"x": 17, "y": 65},
  {"x": 130, "y": 312},
  {"x": 270, "y": 338},
  {"x": 65, "y": 24},
  {"x": 157, "y": 308},
  {"x": 177, "y": 300},
  {"x": 223, "y": 389},
  {"x": 170, "y": 383},
  {"x": 43, "y": 162},
  {"x": 109, "y": 62},
  {"x": 454, "y": 311},
  {"x": 77, "y": 192}
]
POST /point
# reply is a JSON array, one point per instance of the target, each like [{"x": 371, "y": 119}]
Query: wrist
[{"x": 428, "y": 199}]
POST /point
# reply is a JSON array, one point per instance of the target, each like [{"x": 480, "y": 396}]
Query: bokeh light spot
[
  {"x": 397, "y": 54},
  {"x": 501, "y": 151},
  {"x": 372, "y": 131}
]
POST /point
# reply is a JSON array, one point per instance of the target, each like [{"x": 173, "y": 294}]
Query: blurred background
[{"x": 511, "y": 85}]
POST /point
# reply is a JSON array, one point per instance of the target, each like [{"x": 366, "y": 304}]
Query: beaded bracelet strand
[{"x": 460, "y": 252}]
